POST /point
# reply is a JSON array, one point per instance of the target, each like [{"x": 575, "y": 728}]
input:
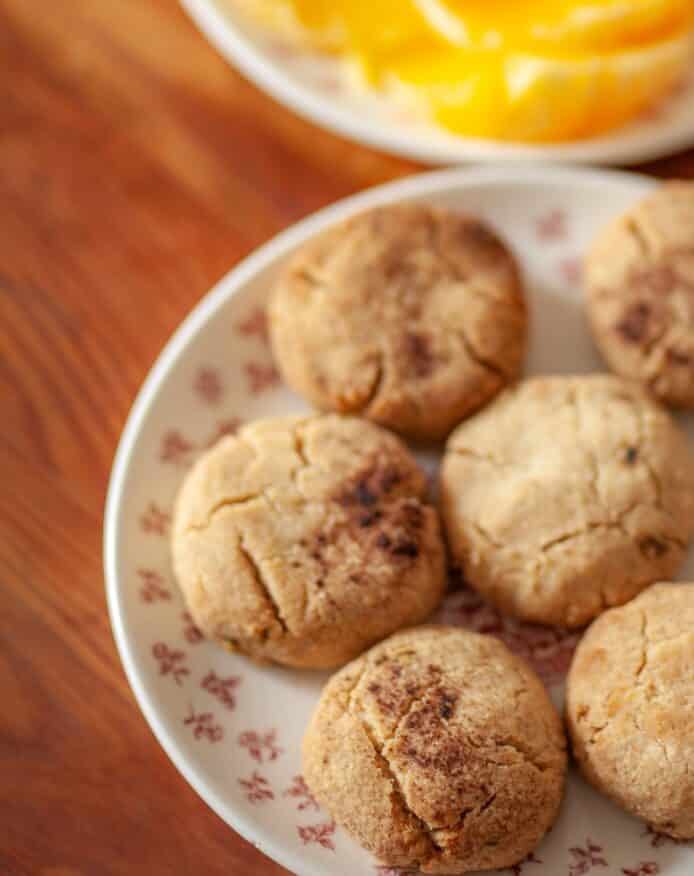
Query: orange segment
[
  {"x": 365, "y": 27},
  {"x": 513, "y": 96},
  {"x": 565, "y": 26},
  {"x": 557, "y": 25},
  {"x": 525, "y": 70}
]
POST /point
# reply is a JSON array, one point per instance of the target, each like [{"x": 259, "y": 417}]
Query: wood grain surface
[{"x": 136, "y": 168}]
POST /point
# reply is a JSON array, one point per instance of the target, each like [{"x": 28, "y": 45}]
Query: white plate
[
  {"x": 232, "y": 728},
  {"x": 313, "y": 88}
]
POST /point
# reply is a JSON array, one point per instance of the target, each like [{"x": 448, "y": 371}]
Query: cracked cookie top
[
  {"x": 566, "y": 496},
  {"x": 440, "y": 750},
  {"x": 640, "y": 280},
  {"x": 304, "y": 540},
  {"x": 630, "y": 707},
  {"x": 408, "y": 315}
]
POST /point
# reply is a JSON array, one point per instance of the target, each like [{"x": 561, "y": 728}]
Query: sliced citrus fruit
[
  {"x": 364, "y": 27},
  {"x": 524, "y": 97},
  {"x": 537, "y": 70},
  {"x": 561, "y": 25}
]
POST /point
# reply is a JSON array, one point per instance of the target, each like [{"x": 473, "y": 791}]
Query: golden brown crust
[
  {"x": 630, "y": 707},
  {"x": 305, "y": 540},
  {"x": 408, "y": 315},
  {"x": 438, "y": 749},
  {"x": 566, "y": 496},
  {"x": 640, "y": 281}
]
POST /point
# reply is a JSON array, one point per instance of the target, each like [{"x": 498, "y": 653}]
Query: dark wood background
[{"x": 136, "y": 168}]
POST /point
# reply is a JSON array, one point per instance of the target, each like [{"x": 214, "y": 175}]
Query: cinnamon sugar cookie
[
  {"x": 408, "y": 315},
  {"x": 304, "y": 540},
  {"x": 566, "y": 496},
  {"x": 630, "y": 707},
  {"x": 439, "y": 750},
  {"x": 640, "y": 278}
]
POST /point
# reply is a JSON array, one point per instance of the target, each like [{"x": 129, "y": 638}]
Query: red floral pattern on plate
[
  {"x": 281, "y": 49},
  {"x": 203, "y": 726},
  {"x": 255, "y": 325},
  {"x": 261, "y": 746},
  {"x": 661, "y": 839},
  {"x": 552, "y": 226},
  {"x": 585, "y": 858},
  {"x": 519, "y": 868},
  {"x": 257, "y": 788},
  {"x": 153, "y": 587},
  {"x": 645, "y": 868},
  {"x": 155, "y": 521},
  {"x": 260, "y": 377},
  {"x": 331, "y": 81},
  {"x": 170, "y": 662},
  {"x": 190, "y": 632},
  {"x": 175, "y": 448},
  {"x": 208, "y": 386},
  {"x": 549, "y": 650},
  {"x": 224, "y": 428},
  {"x": 321, "y": 834},
  {"x": 300, "y": 792},
  {"x": 222, "y": 688},
  {"x": 571, "y": 270}
]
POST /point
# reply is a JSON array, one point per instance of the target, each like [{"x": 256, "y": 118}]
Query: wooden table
[{"x": 135, "y": 169}]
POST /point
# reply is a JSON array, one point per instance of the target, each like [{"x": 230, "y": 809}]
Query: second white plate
[{"x": 312, "y": 87}]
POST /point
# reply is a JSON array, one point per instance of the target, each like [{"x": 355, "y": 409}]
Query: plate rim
[
  {"x": 253, "y": 63},
  {"x": 418, "y": 185}
]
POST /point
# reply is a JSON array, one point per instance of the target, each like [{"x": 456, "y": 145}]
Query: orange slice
[
  {"x": 561, "y": 26},
  {"x": 522, "y": 70},
  {"x": 524, "y": 97},
  {"x": 365, "y": 27}
]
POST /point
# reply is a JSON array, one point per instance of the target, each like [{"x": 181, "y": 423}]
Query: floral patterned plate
[
  {"x": 313, "y": 87},
  {"x": 233, "y": 728}
]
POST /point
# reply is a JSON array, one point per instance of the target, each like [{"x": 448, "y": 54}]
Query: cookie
[
  {"x": 303, "y": 540},
  {"x": 439, "y": 750},
  {"x": 630, "y": 707},
  {"x": 408, "y": 315},
  {"x": 640, "y": 286},
  {"x": 566, "y": 496}
]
